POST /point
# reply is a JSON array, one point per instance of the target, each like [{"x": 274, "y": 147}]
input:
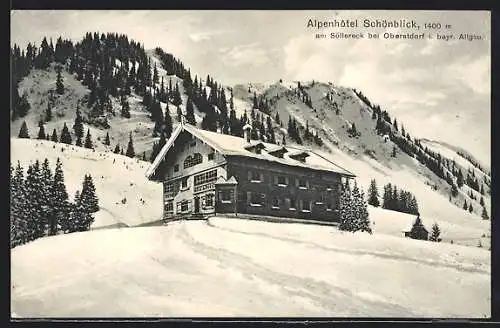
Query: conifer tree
[
  {"x": 125, "y": 111},
  {"x": 373, "y": 194},
  {"x": 79, "y": 142},
  {"x": 117, "y": 149},
  {"x": 460, "y": 179},
  {"x": 48, "y": 198},
  {"x": 107, "y": 142},
  {"x": 435, "y": 232},
  {"x": 48, "y": 113},
  {"x": 190, "y": 112},
  {"x": 41, "y": 131},
  {"x": 393, "y": 154},
  {"x": 144, "y": 156},
  {"x": 34, "y": 190},
  {"x": 81, "y": 217},
  {"x": 470, "y": 207},
  {"x": 88, "y": 195},
  {"x": 54, "y": 136},
  {"x": 484, "y": 214},
  {"x": 23, "y": 132},
  {"x": 465, "y": 207},
  {"x": 18, "y": 208},
  {"x": 59, "y": 83},
  {"x": 345, "y": 208},
  {"x": 481, "y": 201},
  {"x": 61, "y": 209},
  {"x": 179, "y": 114},
  {"x": 168, "y": 126},
  {"x": 454, "y": 190},
  {"x": 78, "y": 125},
  {"x": 88, "y": 140},
  {"x": 65, "y": 136},
  {"x": 130, "y": 148}
]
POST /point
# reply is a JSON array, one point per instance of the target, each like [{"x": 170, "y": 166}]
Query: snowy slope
[
  {"x": 235, "y": 267},
  {"x": 37, "y": 86},
  {"x": 115, "y": 177}
]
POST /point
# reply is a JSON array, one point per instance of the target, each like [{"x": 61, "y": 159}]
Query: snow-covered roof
[
  {"x": 229, "y": 145},
  {"x": 230, "y": 181}
]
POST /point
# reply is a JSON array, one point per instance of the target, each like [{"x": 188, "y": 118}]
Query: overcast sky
[{"x": 438, "y": 89}]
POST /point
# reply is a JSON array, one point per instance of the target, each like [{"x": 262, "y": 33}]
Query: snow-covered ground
[{"x": 236, "y": 267}]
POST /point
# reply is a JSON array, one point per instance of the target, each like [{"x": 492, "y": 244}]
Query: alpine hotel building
[{"x": 204, "y": 173}]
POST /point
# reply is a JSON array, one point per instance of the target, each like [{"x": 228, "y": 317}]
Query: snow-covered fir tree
[
  {"x": 88, "y": 140},
  {"x": 65, "y": 136},
  {"x": 88, "y": 195},
  {"x": 60, "y": 202},
  {"x": 53, "y": 137},
  {"x": 23, "y": 131},
  {"x": 78, "y": 125},
  {"x": 130, "y": 147},
  {"x": 435, "y": 232},
  {"x": 373, "y": 194},
  {"x": 59, "y": 82},
  {"x": 107, "y": 141},
  {"x": 41, "y": 131}
]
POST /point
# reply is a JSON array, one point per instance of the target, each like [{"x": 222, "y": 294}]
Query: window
[
  {"x": 255, "y": 198},
  {"x": 193, "y": 160},
  {"x": 276, "y": 202},
  {"x": 329, "y": 187},
  {"x": 197, "y": 158},
  {"x": 282, "y": 181},
  {"x": 225, "y": 196},
  {"x": 292, "y": 205},
  {"x": 205, "y": 181},
  {"x": 176, "y": 168},
  {"x": 208, "y": 200},
  {"x": 255, "y": 177},
  {"x": 329, "y": 205},
  {"x": 321, "y": 200},
  {"x": 193, "y": 144},
  {"x": 184, "y": 183},
  {"x": 305, "y": 205},
  {"x": 302, "y": 183},
  {"x": 169, "y": 206},
  {"x": 209, "y": 176},
  {"x": 170, "y": 189},
  {"x": 183, "y": 206},
  {"x": 211, "y": 156}
]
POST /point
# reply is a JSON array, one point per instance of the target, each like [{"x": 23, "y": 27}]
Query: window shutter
[
  {"x": 296, "y": 182},
  {"x": 249, "y": 175},
  {"x": 287, "y": 180},
  {"x": 275, "y": 179},
  {"x": 307, "y": 184},
  {"x": 261, "y": 176},
  {"x": 249, "y": 197},
  {"x": 301, "y": 204}
]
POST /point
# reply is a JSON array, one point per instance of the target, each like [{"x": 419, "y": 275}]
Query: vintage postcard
[{"x": 250, "y": 164}]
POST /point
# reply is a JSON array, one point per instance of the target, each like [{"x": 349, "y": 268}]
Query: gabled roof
[{"x": 229, "y": 145}]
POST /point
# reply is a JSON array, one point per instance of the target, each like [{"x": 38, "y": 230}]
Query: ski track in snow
[
  {"x": 353, "y": 251},
  {"x": 319, "y": 292}
]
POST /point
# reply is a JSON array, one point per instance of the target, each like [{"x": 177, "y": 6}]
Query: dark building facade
[{"x": 207, "y": 173}]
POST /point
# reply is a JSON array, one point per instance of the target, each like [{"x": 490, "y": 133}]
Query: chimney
[{"x": 247, "y": 132}]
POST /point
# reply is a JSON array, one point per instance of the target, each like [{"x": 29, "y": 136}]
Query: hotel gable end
[{"x": 205, "y": 172}]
